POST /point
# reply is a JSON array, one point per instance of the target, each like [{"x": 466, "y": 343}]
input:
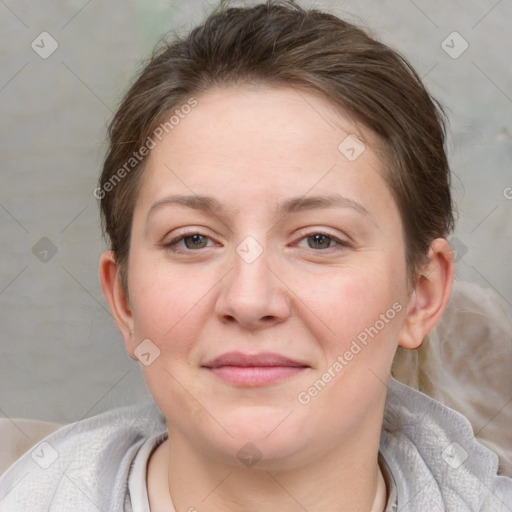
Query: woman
[{"x": 277, "y": 199}]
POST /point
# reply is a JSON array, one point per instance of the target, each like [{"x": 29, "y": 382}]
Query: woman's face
[{"x": 273, "y": 309}]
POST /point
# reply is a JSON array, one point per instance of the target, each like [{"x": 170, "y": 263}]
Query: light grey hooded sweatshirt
[{"x": 433, "y": 461}]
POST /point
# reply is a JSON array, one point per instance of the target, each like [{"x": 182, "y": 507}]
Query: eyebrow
[{"x": 294, "y": 204}]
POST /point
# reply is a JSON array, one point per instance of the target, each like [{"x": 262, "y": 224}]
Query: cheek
[
  {"x": 365, "y": 310},
  {"x": 354, "y": 299},
  {"x": 166, "y": 305},
  {"x": 171, "y": 315}
]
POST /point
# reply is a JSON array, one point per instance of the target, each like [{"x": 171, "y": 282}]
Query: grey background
[{"x": 61, "y": 356}]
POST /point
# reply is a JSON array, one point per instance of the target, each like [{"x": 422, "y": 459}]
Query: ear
[
  {"x": 117, "y": 299},
  {"x": 430, "y": 296}
]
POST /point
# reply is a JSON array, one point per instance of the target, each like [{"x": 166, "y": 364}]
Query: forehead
[{"x": 259, "y": 141}]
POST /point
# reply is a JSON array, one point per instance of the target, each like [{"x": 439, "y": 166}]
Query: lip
[
  {"x": 254, "y": 369},
  {"x": 263, "y": 359}
]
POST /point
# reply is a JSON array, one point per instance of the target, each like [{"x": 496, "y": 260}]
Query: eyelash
[{"x": 171, "y": 245}]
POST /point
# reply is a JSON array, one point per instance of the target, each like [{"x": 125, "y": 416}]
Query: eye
[
  {"x": 192, "y": 241},
  {"x": 319, "y": 240}
]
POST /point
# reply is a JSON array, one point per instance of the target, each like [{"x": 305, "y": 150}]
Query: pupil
[
  {"x": 196, "y": 240},
  {"x": 319, "y": 238}
]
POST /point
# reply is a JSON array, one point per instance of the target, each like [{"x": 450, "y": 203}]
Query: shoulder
[
  {"x": 434, "y": 458},
  {"x": 83, "y": 465}
]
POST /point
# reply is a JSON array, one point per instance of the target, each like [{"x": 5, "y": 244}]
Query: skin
[{"x": 251, "y": 147}]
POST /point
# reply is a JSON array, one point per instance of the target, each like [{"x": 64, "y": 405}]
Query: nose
[{"x": 252, "y": 294}]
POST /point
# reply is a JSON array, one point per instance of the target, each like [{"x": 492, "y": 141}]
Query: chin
[
  {"x": 271, "y": 436},
  {"x": 264, "y": 454}
]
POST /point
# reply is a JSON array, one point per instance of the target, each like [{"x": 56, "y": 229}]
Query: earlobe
[
  {"x": 430, "y": 296},
  {"x": 116, "y": 297}
]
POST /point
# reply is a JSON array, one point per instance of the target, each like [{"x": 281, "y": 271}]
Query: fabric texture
[
  {"x": 429, "y": 449},
  {"x": 465, "y": 364},
  {"x": 137, "y": 490},
  {"x": 18, "y": 435}
]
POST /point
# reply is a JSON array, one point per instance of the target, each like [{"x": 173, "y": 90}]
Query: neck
[
  {"x": 346, "y": 477},
  {"x": 283, "y": 491}
]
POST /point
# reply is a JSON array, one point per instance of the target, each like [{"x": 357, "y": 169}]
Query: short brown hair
[{"x": 278, "y": 43}]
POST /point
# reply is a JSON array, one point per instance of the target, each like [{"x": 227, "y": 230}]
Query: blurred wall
[{"x": 61, "y": 356}]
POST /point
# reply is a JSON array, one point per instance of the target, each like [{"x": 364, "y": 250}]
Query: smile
[{"x": 254, "y": 370}]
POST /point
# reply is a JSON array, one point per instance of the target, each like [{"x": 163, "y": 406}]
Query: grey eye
[
  {"x": 319, "y": 241},
  {"x": 197, "y": 241}
]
